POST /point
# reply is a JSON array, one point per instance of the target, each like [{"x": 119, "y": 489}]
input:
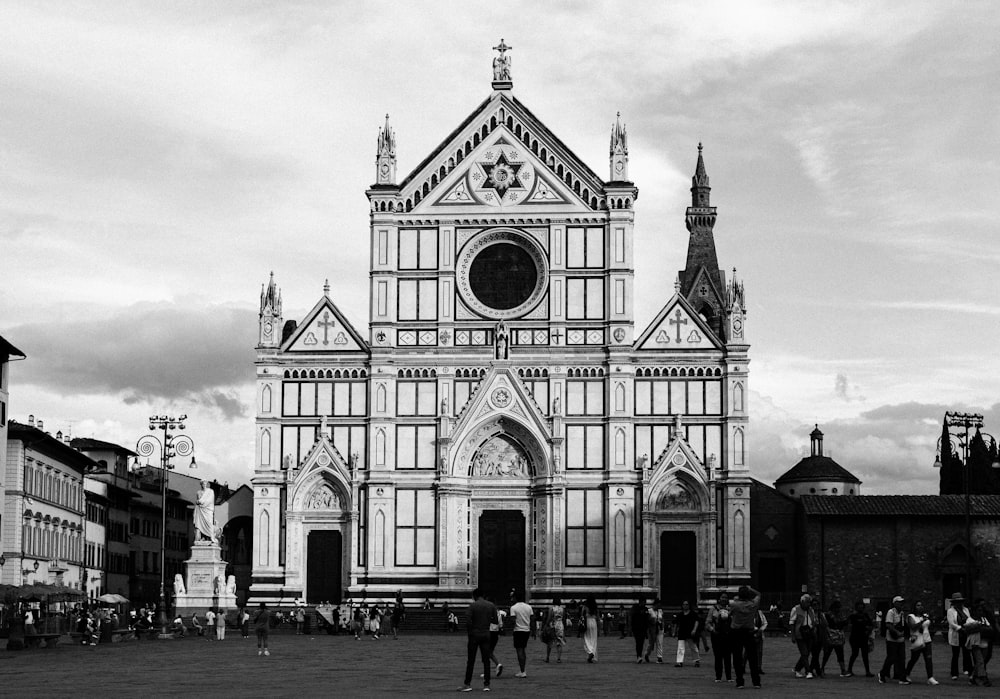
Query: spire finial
[
  {"x": 677, "y": 284},
  {"x": 619, "y": 150},
  {"x": 326, "y": 288},
  {"x": 385, "y": 156}
]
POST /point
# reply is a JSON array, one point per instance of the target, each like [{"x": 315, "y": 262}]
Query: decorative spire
[
  {"x": 385, "y": 157},
  {"x": 501, "y": 67},
  {"x": 735, "y": 295},
  {"x": 270, "y": 298},
  {"x": 619, "y": 151},
  {"x": 699, "y": 184},
  {"x": 326, "y": 288},
  {"x": 270, "y": 314}
]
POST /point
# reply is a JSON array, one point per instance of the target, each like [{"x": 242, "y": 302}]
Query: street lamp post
[
  {"x": 966, "y": 421},
  {"x": 170, "y": 446}
]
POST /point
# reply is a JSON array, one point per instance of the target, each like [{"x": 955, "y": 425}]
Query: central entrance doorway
[
  {"x": 678, "y": 569},
  {"x": 501, "y": 553},
  {"x": 323, "y": 567}
]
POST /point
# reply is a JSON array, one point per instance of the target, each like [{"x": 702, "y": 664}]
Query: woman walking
[
  {"x": 918, "y": 624},
  {"x": 590, "y": 628},
  {"x": 836, "y": 622},
  {"x": 655, "y": 632},
  {"x": 977, "y": 642},
  {"x": 556, "y": 626},
  {"x": 803, "y": 621},
  {"x": 861, "y": 626},
  {"x": 718, "y": 624}
]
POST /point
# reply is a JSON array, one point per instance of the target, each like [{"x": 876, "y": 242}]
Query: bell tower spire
[
  {"x": 703, "y": 284},
  {"x": 619, "y": 151},
  {"x": 385, "y": 158}
]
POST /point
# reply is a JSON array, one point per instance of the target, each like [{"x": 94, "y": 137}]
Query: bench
[{"x": 35, "y": 640}]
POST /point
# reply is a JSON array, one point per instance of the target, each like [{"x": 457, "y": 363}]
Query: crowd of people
[{"x": 734, "y": 630}]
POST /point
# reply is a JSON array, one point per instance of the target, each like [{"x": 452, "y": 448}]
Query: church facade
[{"x": 503, "y": 422}]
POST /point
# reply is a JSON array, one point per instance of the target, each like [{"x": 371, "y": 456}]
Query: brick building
[{"x": 878, "y": 546}]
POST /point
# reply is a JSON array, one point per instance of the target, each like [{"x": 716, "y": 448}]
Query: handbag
[
  {"x": 834, "y": 637},
  {"x": 548, "y": 635}
]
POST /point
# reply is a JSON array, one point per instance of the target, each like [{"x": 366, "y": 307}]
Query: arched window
[
  {"x": 265, "y": 400},
  {"x": 265, "y": 448}
]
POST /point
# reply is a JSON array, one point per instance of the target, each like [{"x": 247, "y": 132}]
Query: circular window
[{"x": 502, "y": 274}]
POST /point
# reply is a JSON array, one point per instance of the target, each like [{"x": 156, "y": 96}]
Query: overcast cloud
[{"x": 159, "y": 160}]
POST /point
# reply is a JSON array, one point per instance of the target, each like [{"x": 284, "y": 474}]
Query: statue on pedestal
[
  {"x": 204, "y": 514},
  {"x": 179, "y": 585}
]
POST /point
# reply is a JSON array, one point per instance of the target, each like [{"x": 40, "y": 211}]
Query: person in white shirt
[
  {"x": 210, "y": 623},
  {"x": 919, "y": 624},
  {"x": 522, "y": 613}
]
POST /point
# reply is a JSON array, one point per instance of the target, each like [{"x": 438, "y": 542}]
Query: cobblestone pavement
[{"x": 322, "y": 665}]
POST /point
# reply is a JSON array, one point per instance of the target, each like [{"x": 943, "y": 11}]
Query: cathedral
[{"x": 502, "y": 422}]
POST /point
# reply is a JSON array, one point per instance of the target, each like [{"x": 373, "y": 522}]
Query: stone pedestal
[{"x": 204, "y": 569}]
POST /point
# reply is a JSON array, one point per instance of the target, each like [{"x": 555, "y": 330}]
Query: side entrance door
[
  {"x": 678, "y": 568},
  {"x": 323, "y": 567},
  {"x": 501, "y": 553}
]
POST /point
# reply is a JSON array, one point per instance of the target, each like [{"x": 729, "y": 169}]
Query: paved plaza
[{"x": 322, "y": 665}]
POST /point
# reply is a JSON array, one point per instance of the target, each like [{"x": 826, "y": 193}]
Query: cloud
[
  {"x": 890, "y": 448},
  {"x": 146, "y": 352}
]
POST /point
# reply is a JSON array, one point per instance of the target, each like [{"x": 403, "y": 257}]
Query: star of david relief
[{"x": 502, "y": 177}]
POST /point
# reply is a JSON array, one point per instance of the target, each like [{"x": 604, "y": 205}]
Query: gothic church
[{"x": 502, "y": 422}]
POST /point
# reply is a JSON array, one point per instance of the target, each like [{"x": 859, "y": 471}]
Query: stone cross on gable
[
  {"x": 326, "y": 324},
  {"x": 678, "y": 321}
]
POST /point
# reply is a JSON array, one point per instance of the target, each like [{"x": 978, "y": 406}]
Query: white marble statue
[
  {"x": 220, "y": 585},
  {"x": 204, "y": 514},
  {"x": 231, "y": 585},
  {"x": 179, "y": 588}
]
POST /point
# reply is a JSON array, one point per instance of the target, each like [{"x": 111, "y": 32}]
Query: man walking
[
  {"x": 523, "y": 614},
  {"x": 742, "y": 627},
  {"x": 895, "y": 643},
  {"x": 477, "y": 625}
]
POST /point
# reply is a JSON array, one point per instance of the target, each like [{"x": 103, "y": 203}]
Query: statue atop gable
[{"x": 501, "y": 64}]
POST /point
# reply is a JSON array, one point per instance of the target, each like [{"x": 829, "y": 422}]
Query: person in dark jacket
[
  {"x": 640, "y": 625},
  {"x": 477, "y": 626}
]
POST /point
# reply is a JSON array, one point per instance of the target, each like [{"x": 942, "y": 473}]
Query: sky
[{"x": 159, "y": 160}]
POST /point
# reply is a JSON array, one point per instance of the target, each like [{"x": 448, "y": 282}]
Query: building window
[
  {"x": 418, "y": 249},
  {"x": 417, "y": 299},
  {"x": 362, "y": 526},
  {"x": 637, "y": 524},
  {"x": 585, "y": 447},
  {"x": 585, "y": 247},
  {"x": 584, "y": 397},
  {"x": 415, "y": 447},
  {"x": 584, "y": 528},
  {"x": 416, "y": 398},
  {"x": 585, "y": 298},
  {"x": 415, "y": 528},
  {"x": 539, "y": 391}
]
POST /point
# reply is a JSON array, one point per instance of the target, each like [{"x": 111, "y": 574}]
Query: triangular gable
[
  {"x": 677, "y": 462},
  {"x": 704, "y": 287},
  {"x": 325, "y": 329},
  {"x": 502, "y": 174},
  {"x": 501, "y": 392},
  {"x": 458, "y": 172},
  {"x": 677, "y": 327},
  {"x": 323, "y": 463}
]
